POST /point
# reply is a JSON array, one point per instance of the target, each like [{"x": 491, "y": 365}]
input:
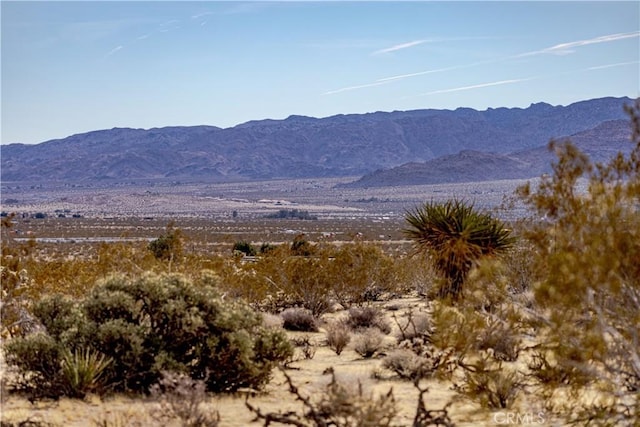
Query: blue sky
[{"x": 72, "y": 67}]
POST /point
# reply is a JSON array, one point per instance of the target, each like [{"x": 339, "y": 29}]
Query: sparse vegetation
[{"x": 550, "y": 323}]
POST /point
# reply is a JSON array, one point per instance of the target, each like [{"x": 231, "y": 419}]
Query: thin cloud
[
  {"x": 346, "y": 89},
  {"x": 618, "y": 64},
  {"x": 114, "y": 50},
  {"x": 567, "y": 48},
  {"x": 462, "y": 88},
  {"x": 200, "y": 15},
  {"x": 437, "y": 70},
  {"x": 399, "y": 47},
  {"x": 142, "y": 37},
  {"x": 385, "y": 80}
]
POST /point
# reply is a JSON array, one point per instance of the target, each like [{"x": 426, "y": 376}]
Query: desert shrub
[
  {"x": 245, "y": 248},
  {"x": 338, "y": 405},
  {"x": 299, "y": 319},
  {"x": 180, "y": 396},
  {"x": 155, "y": 323},
  {"x": 37, "y": 359},
  {"x": 303, "y": 343},
  {"x": 413, "y": 361},
  {"x": 456, "y": 327},
  {"x": 16, "y": 281},
  {"x": 368, "y": 342},
  {"x": 360, "y": 318},
  {"x": 338, "y": 336},
  {"x": 413, "y": 326},
  {"x": 301, "y": 246},
  {"x": 456, "y": 236},
  {"x": 586, "y": 252},
  {"x": 406, "y": 364},
  {"x": 359, "y": 273},
  {"x": 169, "y": 245},
  {"x": 489, "y": 383},
  {"x": 498, "y": 337}
]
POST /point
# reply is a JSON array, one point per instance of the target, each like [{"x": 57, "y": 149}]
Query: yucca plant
[
  {"x": 456, "y": 236},
  {"x": 82, "y": 371}
]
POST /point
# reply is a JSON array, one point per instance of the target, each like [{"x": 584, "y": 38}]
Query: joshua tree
[{"x": 455, "y": 235}]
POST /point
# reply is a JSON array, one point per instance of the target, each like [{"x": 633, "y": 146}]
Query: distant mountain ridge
[
  {"x": 600, "y": 143},
  {"x": 299, "y": 147}
]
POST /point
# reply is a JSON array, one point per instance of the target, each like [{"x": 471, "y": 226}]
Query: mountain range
[{"x": 388, "y": 148}]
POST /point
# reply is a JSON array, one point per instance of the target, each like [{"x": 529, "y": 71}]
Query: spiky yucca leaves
[{"x": 455, "y": 235}]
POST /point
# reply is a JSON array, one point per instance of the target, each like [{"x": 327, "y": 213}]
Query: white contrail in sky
[
  {"x": 346, "y": 89},
  {"x": 619, "y": 64},
  {"x": 566, "y": 48},
  {"x": 114, "y": 50},
  {"x": 399, "y": 47},
  {"x": 458, "y": 89}
]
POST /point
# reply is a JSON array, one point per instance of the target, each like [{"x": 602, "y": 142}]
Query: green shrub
[
  {"x": 169, "y": 245},
  {"x": 151, "y": 324},
  {"x": 245, "y": 248},
  {"x": 587, "y": 254}
]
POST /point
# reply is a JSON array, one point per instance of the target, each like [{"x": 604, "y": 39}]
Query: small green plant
[
  {"x": 83, "y": 372},
  {"x": 456, "y": 236}
]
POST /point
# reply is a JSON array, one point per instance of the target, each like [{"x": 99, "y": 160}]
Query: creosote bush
[
  {"x": 148, "y": 325},
  {"x": 587, "y": 251}
]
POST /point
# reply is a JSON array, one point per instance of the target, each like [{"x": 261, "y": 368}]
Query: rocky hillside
[
  {"x": 341, "y": 145},
  {"x": 600, "y": 143}
]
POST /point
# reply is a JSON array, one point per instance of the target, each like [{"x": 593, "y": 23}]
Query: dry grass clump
[{"x": 338, "y": 336}]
